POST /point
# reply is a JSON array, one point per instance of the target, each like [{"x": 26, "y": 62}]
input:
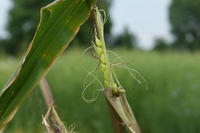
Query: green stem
[
  {"x": 120, "y": 111},
  {"x": 99, "y": 39},
  {"x": 108, "y": 80}
]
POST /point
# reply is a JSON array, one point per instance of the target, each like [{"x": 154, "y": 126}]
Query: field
[{"x": 169, "y": 104}]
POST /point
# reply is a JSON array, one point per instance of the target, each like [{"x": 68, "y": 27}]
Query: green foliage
[
  {"x": 161, "y": 44},
  {"x": 59, "y": 23},
  {"x": 23, "y": 20},
  {"x": 1, "y": 49},
  {"x": 125, "y": 39},
  {"x": 171, "y": 105},
  {"x": 185, "y": 20}
]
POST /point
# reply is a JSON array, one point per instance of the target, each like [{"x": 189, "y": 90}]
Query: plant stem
[
  {"x": 57, "y": 125},
  {"x": 46, "y": 92},
  {"x": 116, "y": 120},
  {"x": 120, "y": 111},
  {"x": 49, "y": 100}
]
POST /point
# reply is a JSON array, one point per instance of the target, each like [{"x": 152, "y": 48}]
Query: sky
[
  {"x": 147, "y": 19},
  {"x": 4, "y": 7}
]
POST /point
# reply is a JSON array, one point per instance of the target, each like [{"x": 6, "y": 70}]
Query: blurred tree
[
  {"x": 0, "y": 47},
  {"x": 23, "y": 20},
  {"x": 184, "y": 17},
  {"x": 125, "y": 39},
  {"x": 161, "y": 44},
  {"x": 22, "y": 23}
]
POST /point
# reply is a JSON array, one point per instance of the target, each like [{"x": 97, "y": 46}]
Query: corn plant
[
  {"x": 51, "y": 120},
  {"x": 59, "y": 23},
  {"x": 114, "y": 92}
]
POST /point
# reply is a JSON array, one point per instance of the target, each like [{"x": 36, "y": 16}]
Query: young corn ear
[
  {"x": 114, "y": 93},
  {"x": 100, "y": 48}
]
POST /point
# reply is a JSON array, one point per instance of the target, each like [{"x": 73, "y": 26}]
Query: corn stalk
[
  {"x": 120, "y": 111},
  {"x": 54, "y": 124}
]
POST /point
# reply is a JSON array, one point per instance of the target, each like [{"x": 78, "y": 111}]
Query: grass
[{"x": 170, "y": 105}]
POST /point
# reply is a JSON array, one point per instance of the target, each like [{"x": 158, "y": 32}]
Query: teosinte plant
[
  {"x": 60, "y": 21},
  {"x": 114, "y": 92}
]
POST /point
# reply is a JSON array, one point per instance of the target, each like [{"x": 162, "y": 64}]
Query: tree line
[{"x": 184, "y": 18}]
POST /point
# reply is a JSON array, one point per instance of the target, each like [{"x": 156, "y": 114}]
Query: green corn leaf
[{"x": 59, "y": 23}]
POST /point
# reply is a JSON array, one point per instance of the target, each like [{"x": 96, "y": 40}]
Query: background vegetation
[
  {"x": 24, "y": 17},
  {"x": 184, "y": 16},
  {"x": 169, "y": 106}
]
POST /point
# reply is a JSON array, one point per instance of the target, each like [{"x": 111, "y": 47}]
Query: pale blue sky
[
  {"x": 4, "y": 6},
  {"x": 147, "y": 19}
]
